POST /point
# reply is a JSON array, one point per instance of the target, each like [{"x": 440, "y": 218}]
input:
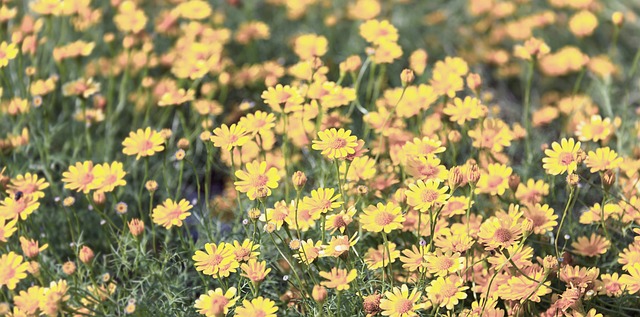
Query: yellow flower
[
  {"x": 446, "y": 292},
  {"x": 7, "y": 53},
  {"x": 245, "y": 251},
  {"x": 376, "y": 32},
  {"x": 321, "y": 201},
  {"x": 11, "y": 208},
  {"x": 29, "y": 301},
  {"x": 258, "y": 122},
  {"x": 229, "y": 137},
  {"x": 603, "y": 159},
  {"x": 500, "y": 232},
  {"x": 256, "y": 179},
  {"x": 631, "y": 281},
  {"x": 215, "y": 257},
  {"x": 308, "y": 251},
  {"x": 335, "y": 144},
  {"x": 461, "y": 111},
  {"x": 444, "y": 263},
  {"x": 414, "y": 259},
  {"x": 254, "y": 270},
  {"x": 422, "y": 195},
  {"x": 194, "y": 10},
  {"x": 30, "y": 248},
  {"x": 29, "y": 184},
  {"x": 543, "y": 217},
  {"x": 258, "y": 306},
  {"x": 386, "y": 52},
  {"x": 521, "y": 288},
  {"x": 170, "y": 214},
  {"x": 143, "y": 143},
  {"x": 382, "y": 217},
  {"x": 53, "y": 297},
  {"x": 562, "y": 157},
  {"x": 495, "y": 181},
  {"x": 532, "y": 192},
  {"x": 216, "y": 303},
  {"x": 283, "y": 98},
  {"x": 308, "y": 46},
  {"x": 595, "y": 129},
  {"x": 12, "y": 270},
  {"x": 108, "y": 177},
  {"x": 400, "y": 303},
  {"x": 595, "y": 245},
  {"x": 583, "y": 23},
  {"x": 378, "y": 258},
  {"x": 79, "y": 177},
  {"x": 7, "y": 228},
  {"x": 338, "y": 278}
]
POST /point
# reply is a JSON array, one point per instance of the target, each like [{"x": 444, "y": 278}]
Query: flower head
[
  {"x": 143, "y": 143},
  {"x": 562, "y": 157},
  {"x": 170, "y": 213},
  {"x": 335, "y": 144}
]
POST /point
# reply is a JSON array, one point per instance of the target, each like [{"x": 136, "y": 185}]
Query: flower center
[
  {"x": 566, "y": 158},
  {"x": 449, "y": 290},
  {"x": 404, "y": 306},
  {"x": 87, "y": 179},
  {"x": 146, "y": 146},
  {"x": 260, "y": 181},
  {"x": 217, "y": 305},
  {"x": 384, "y": 218},
  {"x": 339, "y": 222},
  {"x": 427, "y": 171},
  {"x": 429, "y": 195},
  {"x": 338, "y": 143},
  {"x": 494, "y": 181},
  {"x": 445, "y": 264},
  {"x": 503, "y": 235}
]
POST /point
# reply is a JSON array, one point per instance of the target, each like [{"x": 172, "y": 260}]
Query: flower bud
[
  {"x": 299, "y": 179},
  {"x": 262, "y": 192},
  {"x": 454, "y": 136},
  {"x": 514, "y": 181},
  {"x": 608, "y": 179},
  {"x": 294, "y": 244},
  {"x": 617, "y": 18},
  {"x": 183, "y": 143},
  {"x": 254, "y": 213},
  {"x": 99, "y": 198},
  {"x": 86, "y": 255},
  {"x": 527, "y": 225},
  {"x": 572, "y": 180},
  {"x": 121, "y": 208},
  {"x": 473, "y": 172},
  {"x": 474, "y": 81},
  {"x": 151, "y": 186},
  {"x": 319, "y": 293},
  {"x": 455, "y": 177},
  {"x": 69, "y": 268},
  {"x": 136, "y": 227},
  {"x": 407, "y": 77},
  {"x": 581, "y": 156},
  {"x": 33, "y": 268},
  {"x": 550, "y": 263}
]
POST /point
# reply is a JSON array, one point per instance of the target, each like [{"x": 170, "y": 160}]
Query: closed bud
[
  {"x": 319, "y": 293},
  {"x": 254, "y": 213},
  {"x": 514, "y": 181},
  {"x": 99, "y": 198},
  {"x": 474, "y": 81},
  {"x": 270, "y": 227},
  {"x": 86, "y": 255},
  {"x": 407, "y": 77},
  {"x": 608, "y": 179},
  {"x": 455, "y": 177},
  {"x": 581, "y": 156},
  {"x": 527, "y": 225},
  {"x": 262, "y": 192},
  {"x": 550, "y": 263},
  {"x": 617, "y": 18},
  {"x": 454, "y": 136},
  {"x": 68, "y": 268},
  {"x": 299, "y": 179},
  {"x": 183, "y": 143},
  {"x": 572, "y": 180},
  {"x": 473, "y": 172},
  {"x": 151, "y": 186}
]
